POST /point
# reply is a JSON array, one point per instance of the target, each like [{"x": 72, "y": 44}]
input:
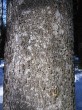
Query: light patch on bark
[
  {"x": 57, "y": 29},
  {"x": 68, "y": 66},
  {"x": 10, "y": 12},
  {"x": 48, "y": 8},
  {"x": 44, "y": 45},
  {"x": 16, "y": 36},
  {"x": 61, "y": 31},
  {"x": 43, "y": 11},
  {"x": 58, "y": 69},
  {"x": 58, "y": 16},
  {"x": 26, "y": 12},
  {"x": 32, "y": 37},
  {"x": 29, "y": 48},
  {"x": 24, "y": 33},
  {"x": 55, "y": 33},
  {"x": 49, "y": 12},
  {"x": 28, "y": 58},
  {"x": 20, "y": 1},
  {"x": 56, "y": 106},
  {"x": 55, "y": 26}
]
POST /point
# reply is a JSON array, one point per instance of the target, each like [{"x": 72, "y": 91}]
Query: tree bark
[{"x": 39, "y": 55}]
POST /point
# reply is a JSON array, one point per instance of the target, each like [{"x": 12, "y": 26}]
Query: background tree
[
  {"x": 2, "y": 27},
  {"x": 38, "y": 55},
  {"x": 78, "y": 31}
]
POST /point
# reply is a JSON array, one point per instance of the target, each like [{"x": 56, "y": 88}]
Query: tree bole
[{"x": 38, "y": 56}]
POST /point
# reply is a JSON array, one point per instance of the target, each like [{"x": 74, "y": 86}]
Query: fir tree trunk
[{"x": 38, "y": 55}]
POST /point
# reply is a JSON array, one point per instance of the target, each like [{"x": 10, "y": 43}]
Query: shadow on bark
[{"x": 37, "y": 3}]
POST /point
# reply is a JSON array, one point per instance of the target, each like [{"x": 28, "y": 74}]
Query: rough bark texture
[{"x": 38, "y": 55}]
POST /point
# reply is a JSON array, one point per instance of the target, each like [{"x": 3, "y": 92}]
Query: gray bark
[{"x": 38, "y": 56}]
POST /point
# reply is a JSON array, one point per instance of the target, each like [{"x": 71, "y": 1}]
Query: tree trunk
[{"x": 38, "y": 55}]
